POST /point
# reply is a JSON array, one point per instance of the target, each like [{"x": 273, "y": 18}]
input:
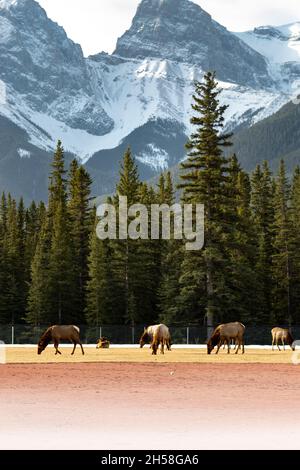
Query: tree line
[{"x": 55, "y": 269}]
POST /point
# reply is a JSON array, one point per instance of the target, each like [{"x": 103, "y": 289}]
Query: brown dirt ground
[
  {"x": 126, "y": 399},
  {"x": 29, "y": 355}
]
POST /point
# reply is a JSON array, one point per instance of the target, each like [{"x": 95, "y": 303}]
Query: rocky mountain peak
[
  {"x": 40, "y": 62},
  {"x": 183, "y": 32}
]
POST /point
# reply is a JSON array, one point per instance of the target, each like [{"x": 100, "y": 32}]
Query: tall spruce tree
[
  {"x": 282, "y": 259},
  {"x": 295, "y": 245},
  {"x": 39, "y": 310},
  {"x": 15, "y": 265},
  {"x": 22, "y": 279},
  {"x": 148, "y": 257},
  {"x": 203, "y": 176},
  {"x": 104, "y": 304},
  {"x": 61, "y": 275},
  {"x": 240, "y": 246},
  {"x": 171, "y": 257},
  {"x": 126, "y": 261},
  {"x": 135, "y": 260},
  {"x": 80, "y": 228},
  {"x": 262, "y": 203},
  {"x": 3, "y": 261}
]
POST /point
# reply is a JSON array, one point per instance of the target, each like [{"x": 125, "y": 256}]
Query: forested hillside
[{"x": 273, "y": 139}]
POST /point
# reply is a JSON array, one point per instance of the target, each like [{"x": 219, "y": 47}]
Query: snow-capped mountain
[
  {"x": 139, "y": 96},
  {"x": 184, "y": 33},
  {"x": 280, "y": 45}
]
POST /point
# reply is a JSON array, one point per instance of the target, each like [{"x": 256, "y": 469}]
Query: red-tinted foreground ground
[{"x": 150, "y": 406}]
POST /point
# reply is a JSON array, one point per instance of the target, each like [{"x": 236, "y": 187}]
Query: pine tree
[
  {"x": 171, "y": 258},
  {"x": 34, "y": 220},
  {"x": 61, "y": 287},
  {"x": 129, "y": 182},
  {"x": 80, "y": 228},
  {"x": 58, "y": 182},
  {"x": 3, "y": 261},
  {"x": 295, "y": 245},
  {"x": 14, "y": 261},
  {"x": 203, "y": 181},
  {"x": 126, "y": 260},
  {"x": 39, "y": 308},
  {"x": 148, "y": 265},
  {"x": 61, "y": 275},
  {"x": 104, "y": 305},
  {"x": 21, "y": 263},
  {"x": 240, "y": 245},
  {"x": 262, "y": 203},
  {"x": 281, "y": 259}
]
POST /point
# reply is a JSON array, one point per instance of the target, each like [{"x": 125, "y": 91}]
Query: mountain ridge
[
  {"x": 134, "y": 96},
  {"x": 181, "y": 28}
]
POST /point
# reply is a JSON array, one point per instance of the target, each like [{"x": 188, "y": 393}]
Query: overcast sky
[{"x": 96, "y": 24}]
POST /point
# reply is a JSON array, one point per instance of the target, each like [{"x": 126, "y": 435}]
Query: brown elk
[
  {"x": 58, "y": 333},
  {"x": 283, "y": 335},
  {"x": 103, "y": 343},
  {"x": 157, "y": 335},
  {"x": 226, "y": 333}
]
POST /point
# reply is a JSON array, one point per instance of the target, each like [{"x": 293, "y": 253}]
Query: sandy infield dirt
[
  {"x": 29, "y": 355},
  {"x": 151, "y": 405}
]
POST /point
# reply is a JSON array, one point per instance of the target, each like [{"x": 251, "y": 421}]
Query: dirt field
[
  {"x": 116, "y": 402},
  {"x": 29, "y": 355}
]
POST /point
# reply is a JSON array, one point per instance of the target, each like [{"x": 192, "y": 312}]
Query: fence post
[
  {"x": 132, "y": 333},
  {"x": 188, "y": 335},
  {"x": 100, "y": 332},
  {"x": 12, "y": 334}
]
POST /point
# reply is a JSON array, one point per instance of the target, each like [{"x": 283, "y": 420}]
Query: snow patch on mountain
[
  {"x": 155, "y": 157},
  {"x": 280, "y": 44},
  {"x": 6, "y": 29},
  {"x": 281, "y": 47},
  {"x": 8, "y": 3},
  {"x": 24, "y": 153}
]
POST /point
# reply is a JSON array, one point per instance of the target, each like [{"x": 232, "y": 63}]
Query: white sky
[{"x": 96, "y": 24}]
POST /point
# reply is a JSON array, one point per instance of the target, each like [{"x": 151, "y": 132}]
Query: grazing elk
[
  {"x": 157, "y": 335},
  {"x": 226, "y": 333},
  {"x": 58, "y": 333},
  {"x": 283, "y": 335}
]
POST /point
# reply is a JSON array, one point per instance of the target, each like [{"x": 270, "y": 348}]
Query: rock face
[
  {"x": 281, "y": 48},
  {"x": 181, "y": 31},
  {"x": 39, "y": 62},
  {"x": 140, "y": 95}
]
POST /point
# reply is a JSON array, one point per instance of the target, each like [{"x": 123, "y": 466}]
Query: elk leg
[
  {"x": 218, "y": 348},
  {"x": 228, "y": 343},
  {"x": 278, "y": 346},
  {"x": 243, "y": 344},
  {"x": 162, "y": 348},
  {"x": 81, "y": 349},
  {"x": 56, "y": 348},
  {"x": 283, "y": 344},
  {"x": 273, "y": 342},
  {"x": 75, "y": 344},
  {"x": 238, "y": 346}
]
